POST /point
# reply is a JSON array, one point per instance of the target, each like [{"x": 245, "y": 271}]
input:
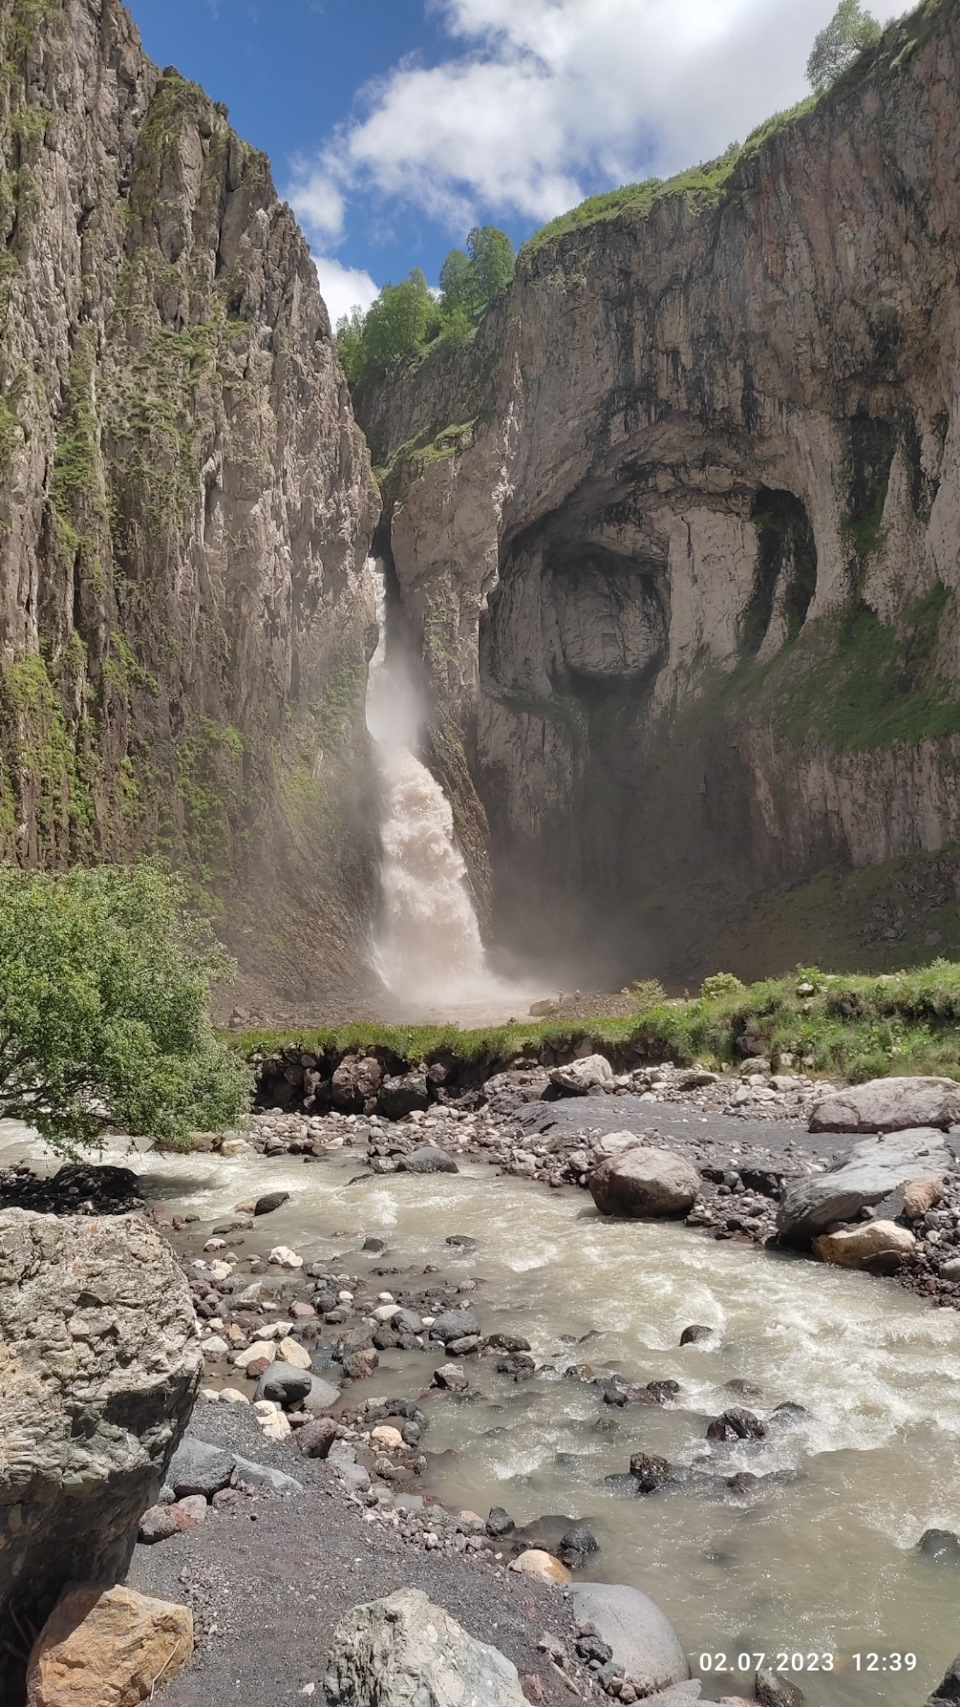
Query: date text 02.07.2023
[{"x": 785, "y": 1661}]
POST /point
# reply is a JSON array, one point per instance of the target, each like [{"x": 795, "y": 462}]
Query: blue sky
[{"x": 395, "y": 125}]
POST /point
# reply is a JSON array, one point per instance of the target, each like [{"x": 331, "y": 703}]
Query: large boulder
[
  {"x": 644, "y": 1182},
  {"x": 406, "y": 1651},
  {"x": 401, "y": 1094},
  {"x": 644, "y": 1642},
  {"x": 889, "y": 1105},
  {"x": 107, "y": 1648},
  {"x": 99, "y": 1367},
  {"x": 872, "y": 1171},
  {"x": 579, "y": 1078},
  {"x": 877, "y": 1246},
  {"x": 356, "y": 1082},
  {"x": 427, "y": 1159}
]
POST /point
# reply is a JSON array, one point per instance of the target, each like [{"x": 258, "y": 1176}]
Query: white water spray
[{"x": 428, "y": 951}]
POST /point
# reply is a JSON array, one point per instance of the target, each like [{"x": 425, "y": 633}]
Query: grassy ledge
[{"x": 828, "y": 1024}]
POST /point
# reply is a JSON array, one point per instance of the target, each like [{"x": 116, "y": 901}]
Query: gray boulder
[
  {"x": 99, "y": 1368},
  {"x": 406, "y": 1651},
  {"x": 322, "y": 1393},
  {"x": 579, "y": 1078},
  {"x": 644, "y": 1182},
  {"x": 889, "y": 1105},
  {"x": 644, "y": 1642},
  {"x": 285, "y": 1384},
  {"x": 403, "y": 1093},
  {"x": 454, "y": 1325},
  {"x": 199, "y": 1468},
  {"x": 264, "y": 1476},
  {"x": 428, "y": 1159},
  {"x": 869, "y": 1174},
  {"x": 775, "y": 1690}
]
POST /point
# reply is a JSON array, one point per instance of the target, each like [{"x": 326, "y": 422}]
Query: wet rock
[
  {"x": 271, "y": 1201},
  {"x": 403, "y": 1093},
  {"x": 405, "y": 1650},
  {"x": 775, "y": 1690},
  {"x": 576, "y": 1545},
  {"x": 877, "y": 1246},
  {"x": 736, "y": 1424},
  {"x": 649, "y": 1472},
  {"x": 889, "y": 1105},
  {"x": 643, "y": 1641},
  {"x": 408, "y": 1322},
  {"x": 107, "y": 1647},
  {"x": 427, "y": 1159},
  {"x": 452, "y": 1379},
  {"x": 499, "y": 1523},
  {"x": 787, "y": 1415},
  {"x": 949, "y": 1687},
  {"x": 940, "y": 1545},
  {"x": 198, "y": 1467},
  {"x": 509, "y": 1342},
  {"x": 463, "y": 1241},
  {"x": 454, "y": 1325},
  {"x": 871, "y": 1172},
  {"x": 96, "y": 1323},
  {"x": 696, "y": 1333},
  {"x": 376, "y": 1246},
  {"x": 642, "y": 1182},
  {"x": 578, "y": 1078}
]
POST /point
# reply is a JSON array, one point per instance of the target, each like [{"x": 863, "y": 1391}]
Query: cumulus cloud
[
  {"x": 343, "y": 288},
  {"x": 540, "y": 102}
]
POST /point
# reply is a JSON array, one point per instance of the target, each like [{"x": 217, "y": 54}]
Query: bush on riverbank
[{"x": 829, "y": 1024}]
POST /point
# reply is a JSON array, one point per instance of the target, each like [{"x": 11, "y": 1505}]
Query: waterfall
[{"x": 428, "y": 945}]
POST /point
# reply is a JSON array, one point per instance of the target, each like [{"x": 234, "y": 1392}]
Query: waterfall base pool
[{"x": 820, "y": 1559}]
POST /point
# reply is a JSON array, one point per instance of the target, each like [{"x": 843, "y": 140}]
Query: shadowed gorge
[{"x": 677, "y": 531}]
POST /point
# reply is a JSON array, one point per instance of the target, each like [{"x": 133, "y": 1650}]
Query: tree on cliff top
[
  {"x": 849, "y": 31},
  {"x": 105, "y": 978}
]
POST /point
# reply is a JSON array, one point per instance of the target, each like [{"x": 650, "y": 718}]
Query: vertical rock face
[
  {"x": 681, "y": 534},
  {"x": 99, "y": 1368},
  {"x": 185, "y": 501}
]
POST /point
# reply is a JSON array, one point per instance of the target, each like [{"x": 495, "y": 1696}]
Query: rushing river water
[{"x": 823, "y": 1561}]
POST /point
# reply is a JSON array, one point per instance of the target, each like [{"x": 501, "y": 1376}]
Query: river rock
[
  {"x": 283, "y": 1257},
  {"x": 356, "y": 1082},
  {"x": 643, "y": 1640},
  {"x": 537, "y": 1562},
  {"x": 256, "y": 1475},
  {"x": 287, "y": 1385},
  {"x": 775, "y": 1690},
  {"x": 427, "y": 1159},
  {"x": 696, "y": 1333},
  {"x": 267, "y": 1204},
  {"x": 948, "y": 1689},
  {"x": 107, "y": 1648},
  {"x": 293, "y": 1353},
  {"x": 401, "y": 1094},
  {"x": 578, "y": 1078},
  {"x": 499, "y": 1523},
  {"x": 940, "y": 1545},
  {"x": 889, "y": 1105},
  {"x": 871, "y": 1171},
  {"x": 406, "y": 1651},
  {"x": 921, "y": 1195},
  {"x": 576, "y": 1545},
  {"x": 454, "y": 1325},
  {"x": 642, "y": 1182},
  {"x": 736, "y": 1424},
  {"x": 878, "y": 1246},
  {"x": 198, "y": 1467},
  {"x": 99, "y": 1367},
  {"x": 316, "y": 1438}
]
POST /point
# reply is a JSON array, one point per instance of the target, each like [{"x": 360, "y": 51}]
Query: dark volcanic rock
[
  {"x": 273, "y": 1199},
  {"x": 736, "y": 1424},
  {"x": 428, "y": 1159}
]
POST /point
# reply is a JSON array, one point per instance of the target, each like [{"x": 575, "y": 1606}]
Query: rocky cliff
[
  {"x": 678, "y": 533},
  {"x": 185, "y": 504}
]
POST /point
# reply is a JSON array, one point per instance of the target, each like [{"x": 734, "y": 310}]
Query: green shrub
[
  {"x": 105, "y": 977},
  {"x": 720, "y": 984}
]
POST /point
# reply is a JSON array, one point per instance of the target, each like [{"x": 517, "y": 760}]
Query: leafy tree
[
  {"x": 494, "y": 261},
  {"x": 397, "y": 321},
  {"x": 849, "y": 31},
  {"x": 105, "y": 977},
  {"x": 458, "y": 282}
]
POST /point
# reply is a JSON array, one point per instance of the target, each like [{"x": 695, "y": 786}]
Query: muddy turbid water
[{"x": 822, "y": 1561}]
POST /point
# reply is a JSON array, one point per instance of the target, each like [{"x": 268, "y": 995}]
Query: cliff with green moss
[
  {"x": 679, "y": 533},
  {"x": 185, "y": 505}
]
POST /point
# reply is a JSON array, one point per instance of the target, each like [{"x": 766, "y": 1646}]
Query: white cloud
[
  {"x": 540, "y": 99},
  {"x": 343, "y": 288}
]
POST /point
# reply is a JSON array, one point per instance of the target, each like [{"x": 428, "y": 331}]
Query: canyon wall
[
  {"x": 678, "y": 534},
  {"x": 185, "y": 507}
]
